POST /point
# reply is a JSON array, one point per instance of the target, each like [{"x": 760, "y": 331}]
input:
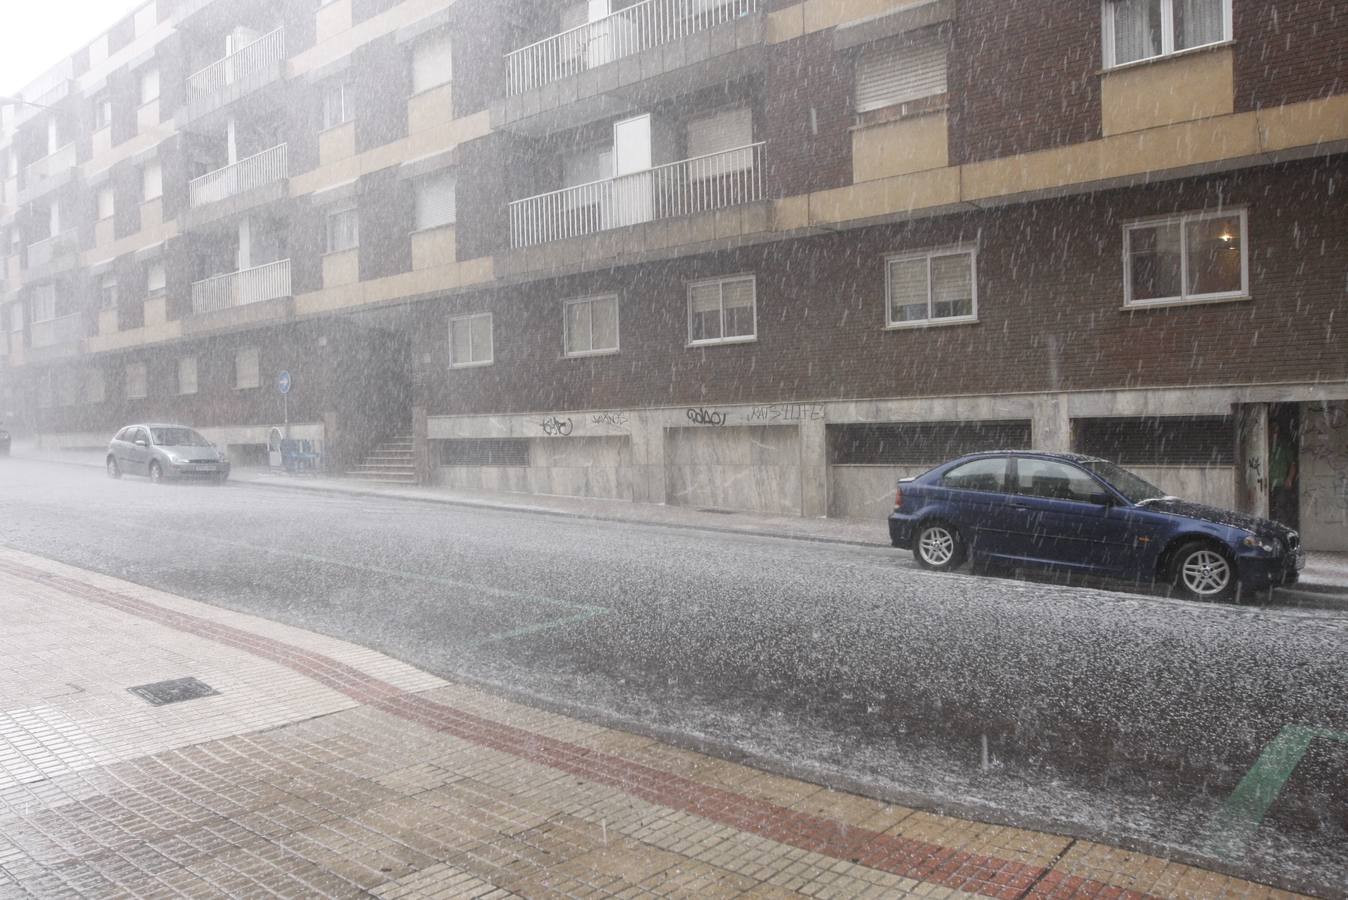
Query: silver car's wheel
[
  {"x": 938, "y": 546},
  {"x": 113, "y": 470},
  {"x": 1202, "y": 573},
  {"x": 156, "y": 473}
]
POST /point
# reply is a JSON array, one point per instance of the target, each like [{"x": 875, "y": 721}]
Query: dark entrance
[{"x": 1284, "y": 470}]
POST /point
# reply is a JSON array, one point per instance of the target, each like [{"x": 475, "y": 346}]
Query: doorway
[{"x": 1284, "y": 470}]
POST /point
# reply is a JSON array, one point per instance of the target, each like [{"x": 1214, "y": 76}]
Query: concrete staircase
[{"x": 392, "y": 462}]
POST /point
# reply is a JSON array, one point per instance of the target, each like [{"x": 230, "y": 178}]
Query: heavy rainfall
[{"x": 752, "y": 448}]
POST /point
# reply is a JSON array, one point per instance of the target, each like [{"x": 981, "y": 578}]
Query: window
[
  {"x": 889, "y": 73},
  {"x": 16, "y": 317},
  {"x": 155, "y": 279},
  {"x": 343, "y": 229},
  {"x": 931, "y": 287},
  {"x": 432, "y": 63},
  {"x": 107, "y": 291},
  {"x": 105, "y": 203},
  {"x": 591, "y": 326},
  {"x": 187, "y": 375},
  {"x": 921, "y": 443},
  {"x": 1194, "y": 257},
  {"x": 485, "y": 452},
  {"x": 94, "y": 387},
  {"x": 246, "y": 372},
  {"x": 102, "y": 113},
  {"x": 44, "y": 303},
  {"x": 1049, "y": 479},
  {"x": 336, "y": 105},
  {"x": 435, "y": 204},
  {"x": 1158, "y": 440},
  {"x": 149, "y": 86},
  {"x": 980, "y": 475},
  {"x": 470, "y": 341},
  {"x": 136, "y": 381},
  {"x": 730, "y": 129},
  {"x": 151, "y": 181},
  {"x": 1143, "y": 29},
  {"x": 722, "y": 310}
]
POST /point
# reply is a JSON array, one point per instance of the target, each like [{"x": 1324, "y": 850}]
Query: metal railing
[
  {"x": 251, "y": 172},
  {"x": 54, "y": 332},
  {"x": 631, "y": 30},
  {"x": 42, "y": 252},
  {"x": 253, "y": 64},
  {"x": 265, "y": 282},
  {"x": 683, "y": 188},
  {"x": 57, "y": 161}
]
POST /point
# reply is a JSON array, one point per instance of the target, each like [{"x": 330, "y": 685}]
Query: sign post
[{"x": 283, "y": 385}]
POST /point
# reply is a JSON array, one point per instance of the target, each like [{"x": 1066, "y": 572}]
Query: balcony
[
  {"x": 56, "y": 332},
  {"x": 47, "y": 173},
  {"x": 270, "y": 281},
  {"x": 47, "y": 253},
  {"x": 250, "y": 173},
  {"x": 684, "y": 188},
  {"x": 248, "y": 69},
  {"x": 655, "y": 48}
]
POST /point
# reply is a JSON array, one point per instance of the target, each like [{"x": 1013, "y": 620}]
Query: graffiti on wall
[
  {"x": 787, "y": 412},
  {"x": 702, "y": 416},
  {"x": 555, "y": 427}
]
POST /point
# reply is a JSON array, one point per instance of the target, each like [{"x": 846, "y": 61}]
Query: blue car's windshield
[{"x": 1133, "y": 488}]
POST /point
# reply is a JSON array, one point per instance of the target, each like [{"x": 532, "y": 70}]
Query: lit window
[
  {"x": 722, "y": 310},
  {"x": 931, "y": 286},
  {"x": 1192, "y": 257},
  {"x": 590, "y": 325},
  {"x": 470, "y": 341},
  {"x": 343, "y": 229},
  {"x": 1142, "y": 29},
  {"x": 435, "y": 201}
]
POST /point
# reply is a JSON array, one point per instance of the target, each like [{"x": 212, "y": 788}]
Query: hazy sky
[{"x": 35, "y": 34}]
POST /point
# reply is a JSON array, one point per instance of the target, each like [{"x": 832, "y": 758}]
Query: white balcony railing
[
  {"x": 54, "y": 332},
  {"x": 252, "y": 65},
  {"x": 683, "y": 188},
  {"x": 265, "y": 282},
  {"x": 251, "y": 172},
  {"x": 42, "y": 252},
  {"x": 53, "y": 163},
  {"x": 630, "y": 30}
]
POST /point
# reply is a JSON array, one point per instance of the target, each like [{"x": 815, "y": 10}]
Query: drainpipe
[{"x": 421, "y": 447}]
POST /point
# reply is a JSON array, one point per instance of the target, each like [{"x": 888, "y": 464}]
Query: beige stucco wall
[
  {"x": 1163, "y": 92},
  {"x": 432, "y": 248},
  {"x": 341, "y": 268},
  {"x": 331, "y": 20},
  {"x": 900, "y": 147},
  {"x": 430, "y": 108},
  {"x": 336, "y": 144}
]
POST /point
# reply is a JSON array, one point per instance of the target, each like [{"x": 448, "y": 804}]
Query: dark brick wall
[
  {"x": 1050, "y": 317},
  {"x": 382, "y": 82},
  {"x": 1289, "y": 51},
  {"x": 385, "y": 210},
  {"x": 1023, "y": 76},
  {"x": 126, "y": 190},
  {"x": 803, "y": 75}
]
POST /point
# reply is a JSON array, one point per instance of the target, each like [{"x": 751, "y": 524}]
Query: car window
[
  {"x": 1054, "y": 480},
  {"x": 980, "y": 475},
  {"x": 121, "y": 435},
  {"x": 178, "y": 437},
  {"x": 139, "y": 435}
]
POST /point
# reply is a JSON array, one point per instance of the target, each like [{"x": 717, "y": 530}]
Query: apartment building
[{"x": 749, "y": 255}]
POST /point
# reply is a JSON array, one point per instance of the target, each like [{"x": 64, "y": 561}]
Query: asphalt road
[{"x": 1098, "y": 713}]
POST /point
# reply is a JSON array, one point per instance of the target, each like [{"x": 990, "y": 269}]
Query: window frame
[
  {"x": 1005, "y": 488},
  {"x": 936, "y": 41},
  {"x": 354, "y": 209},
  {"x": 1168, "y": 50},
  {"x": 722, "y": 280},
  {"x": 971, "y": 250},
  {"x": 153, "y": 164},
  {"x": 108, "y": 287},
  {"x": 566, "y": 326},
  {"x": 196, "y": 375},
  {"x": 141, "y": 77},
  {"x": 491, "y": 340},
  {"x": 150, "y": 290},
  {"x": 102, "y": 112},
  {"x": 257, "y": 368},
  {"x": 1182, "y": 220},
  {"x": 138, "y": 365},
  {"x": 99, "y": 193},
  {"x": 417, "y": 186},
  {"x": 418, "y": 45},
  {"x": 348, "y": 115}
]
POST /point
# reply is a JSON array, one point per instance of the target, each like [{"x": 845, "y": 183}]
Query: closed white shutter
[
  {"x": 155, "y": 278},
  {"x": 889, "y": 74},
  {"x": 432, "y": 63},
  {"x": 152, "y": 181},
  {"x": 728, "y": 129},
  {"x": 149, "y": 85},
  {"x": 105, "y": 208},
  {"x": 435, "y": 204}
]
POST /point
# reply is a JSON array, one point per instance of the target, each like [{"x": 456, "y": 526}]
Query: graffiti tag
[
  {"x": 787, "y": 412},
  {"x": 609, "y": 418},
  {"x": 553, "y": 426},
  {"x": 701, "y": 416}
]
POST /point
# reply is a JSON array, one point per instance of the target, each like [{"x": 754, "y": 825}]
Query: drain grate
[
  {"x": 177, "y": 690},
  {"x": 724, "y": 512}
]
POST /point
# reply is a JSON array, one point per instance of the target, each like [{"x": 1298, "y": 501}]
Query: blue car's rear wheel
[
  {"x": 938, "y": 546},
  {"x": 1202, "y": 572}
]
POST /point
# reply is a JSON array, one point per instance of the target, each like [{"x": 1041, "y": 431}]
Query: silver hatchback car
[{"x": 165, "y": 452}]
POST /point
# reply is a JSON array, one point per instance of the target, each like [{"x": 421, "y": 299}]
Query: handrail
[
  {"x": 268, "y": 281},
  {"x": 267, "y": 167},
  {"x": 256, "y": 58}
]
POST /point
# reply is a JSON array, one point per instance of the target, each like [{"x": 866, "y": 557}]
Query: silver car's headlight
[{"x": 1255, "y": 541}]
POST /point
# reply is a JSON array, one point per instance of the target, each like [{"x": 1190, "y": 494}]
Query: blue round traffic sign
[{"x": 283, "y": 382}]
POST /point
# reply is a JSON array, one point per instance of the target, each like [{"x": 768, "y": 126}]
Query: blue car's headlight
[{"x": 1258, "y": 543}]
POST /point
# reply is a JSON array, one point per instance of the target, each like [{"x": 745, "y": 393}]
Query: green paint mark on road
[{"x": 1230, "y": 829}]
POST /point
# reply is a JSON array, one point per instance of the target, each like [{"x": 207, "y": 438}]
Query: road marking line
[{"x": 1230, "y": 829}]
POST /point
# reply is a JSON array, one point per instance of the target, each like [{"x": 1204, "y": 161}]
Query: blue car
[{"x": 1081, "y": 514}]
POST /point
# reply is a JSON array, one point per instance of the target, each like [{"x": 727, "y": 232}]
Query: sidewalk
[
  {"x": 1325, "y": 573},
  {"x": 316, "y": 767}
]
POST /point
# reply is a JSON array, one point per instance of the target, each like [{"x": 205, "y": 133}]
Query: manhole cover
[{"x": 179, "y": 689}]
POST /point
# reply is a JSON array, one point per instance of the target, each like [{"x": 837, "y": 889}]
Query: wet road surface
[{"x": 1130, "y": 717}]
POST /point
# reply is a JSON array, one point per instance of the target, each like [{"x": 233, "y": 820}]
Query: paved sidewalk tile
[{"x": 319, "y": 768}]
